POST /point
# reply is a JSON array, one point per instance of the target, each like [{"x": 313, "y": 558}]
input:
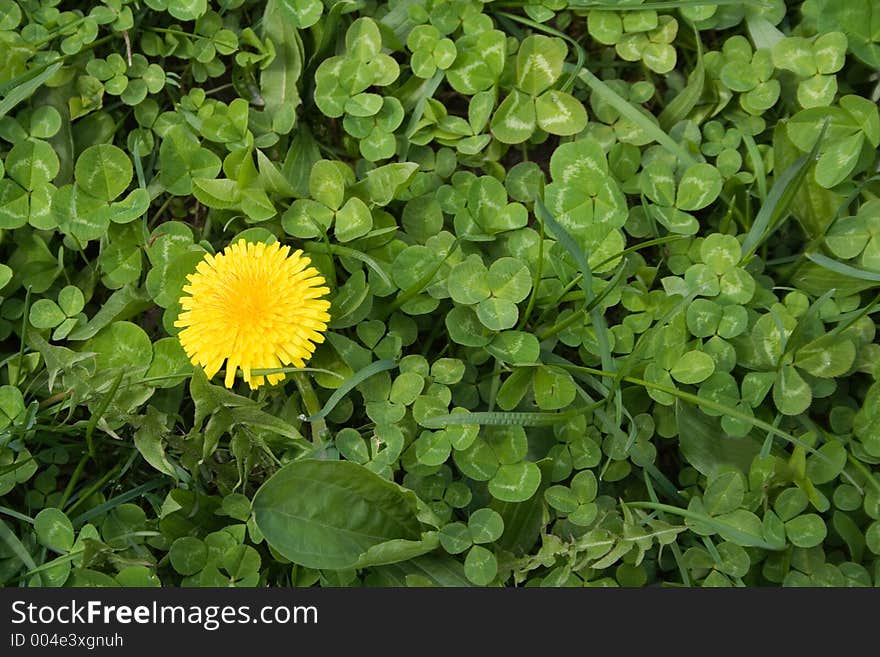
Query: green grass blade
[
  {"x": 113, "y": 502},
  {"x": 758, "y": 163},
  {"x": 742, "y": 538},
  {"x": 776, "y": 207},
  {"x": 843, "y": 269},
  {"x": 22, "y": 87},
  {"x": 581, "y": 259},
  {"x": 642, "y": 120},
  {"x": 12, "y": 513},
  {"x": 346, "y": 252},
  {"x": 680, "y": 106},
  {"x": 288, "y": 370},
  {"x": 16, "y": 547},
  {"x": 502, "y": 418},
  {"x": 99, "y": 412},
  {"x": 355, "y": 379}
]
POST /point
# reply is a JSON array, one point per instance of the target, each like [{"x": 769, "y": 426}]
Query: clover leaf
[{"x": 532, "y": 104}]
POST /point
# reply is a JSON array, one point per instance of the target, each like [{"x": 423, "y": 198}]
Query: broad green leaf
[
  {"x": 497, "y": 314},
  {"x": 353, "y": 220},
  {"x": 181, "y": 158},
  {"x": 720, "y": 252},
  {"x": 838, "y": 160},
  {"x": 304, "y": 13},
  {"x": 657, "y": 182},
  {"x": 121, "y": 345},
  {"x": 826, "y": 357},
  {"x": 45, "y": 314},
  {"x": 724, "y": 493},
  {"x": 455, "y": 537},
  {"x": 817, "y": 91},
  {"x": 32, "y": 163},
  {"x": 515, "y": 482},
  {"x": 479, "y": 62},
  {"x": 480, "y": 566},
  {"x": 693, "y": 367},
  {"x": 54, "y": 530},
  {"x": 509, "y": 279},
  {"x": 795, "y": 54},
  {"x": 606, "y": 27},
  {"x": 149, "y": 439},
  {"x": 187, "y": 10},
  {"x": 188, "y": 555},
  {"x": 554, "y": 388},
  {"x": 539, "y": 63},
  {"x": 326, "y": 514},
  {"x": 705, "y": 446},
  {"x": 363, "y": 39},
  {"x": 827, "y": 464},
  {"x": 514, "y": 347},
  {"x": 170, "y": 365},
  {"x": 699, "y": 186},
  {"x": 659, "y": 57},
  {"x": 485, "y": 525},
  {"x": 791, "y": 393},
  {"x": 578, "y": 161},
  {"x": 806, "y": 531},
  {"x": 103, "y": 171},
  {"x": 514, "y": 121},
  {"x": 469, "y": 282},
  {"x": 560, "y": 113}
]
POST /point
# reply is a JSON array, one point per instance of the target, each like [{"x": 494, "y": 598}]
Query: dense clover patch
[{"x": 604, "y": 289}]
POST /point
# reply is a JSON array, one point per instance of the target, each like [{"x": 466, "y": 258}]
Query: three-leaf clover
[
  {"x": 494, "y": 291},
  {"x": 750, "y": 74},
  {"x": 312, "y": 217},
  {"x": 672, "y": 202},
  {"x": 653, "y": 45},
  {"x": 851, "y": 126},
  {"x": 430, "y": 50},
  {"x": 62, "y": 316},
  {"x": 532, "y": 103},
  {"x": 858, "y": 236},
  {"x": 341, "y": 81},
  {"x": 815, "y": 62}
]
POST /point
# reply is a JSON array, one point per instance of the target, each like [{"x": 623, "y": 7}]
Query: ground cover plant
[{"x": 439, "y": 293}]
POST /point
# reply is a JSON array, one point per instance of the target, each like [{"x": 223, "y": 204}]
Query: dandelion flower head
[{"x": 255, "y": 306}]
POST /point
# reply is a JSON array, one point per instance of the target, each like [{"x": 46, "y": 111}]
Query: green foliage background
[{"x": 604, "y": 278}]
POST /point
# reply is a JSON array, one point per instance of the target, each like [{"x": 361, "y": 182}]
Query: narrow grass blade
[
  {"x": 15, "y": 546},
  {"x": 741, "y": 537},
  {"x": 22, "y": 87},
  {"x": 357, "y": 378},
  {"x": 778, "y": 202},
  {"x": 12, "y": 513},
  {"x": 346, "y": 252},
  {"x": 288, "y": 370},
  {"x": 758, "y": 163},
  {"x": 502, "y": 418},
  {"x": 627, "y": 110},
  {"x": 113, "y": 502},
  {"x": 99, "y": 412},
  {"x": 680, "y": 106},
  {"x": 582, "y": 261},
  {"x": 843, "y": 269}
]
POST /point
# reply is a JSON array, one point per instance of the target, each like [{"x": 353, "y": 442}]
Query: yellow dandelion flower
[{"x": 255, "y": 306}]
